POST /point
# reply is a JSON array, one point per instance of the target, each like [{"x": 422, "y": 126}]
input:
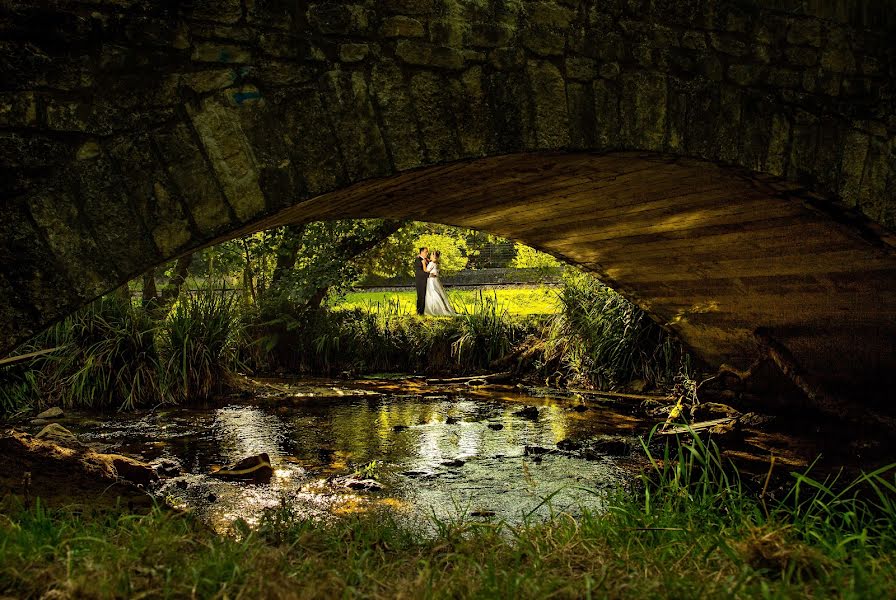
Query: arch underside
[
  {"x": 712, "y": 253},
  {"x": 132, "y": 133}
]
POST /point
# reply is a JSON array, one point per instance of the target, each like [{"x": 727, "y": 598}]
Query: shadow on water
[{"x": 442, "y": 454}]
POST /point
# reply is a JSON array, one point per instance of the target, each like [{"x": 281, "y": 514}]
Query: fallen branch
[
  {"x": 11, "y": 360},
  {"x": 622, "y": 396},
  {"x": 491, "y": 378},
  {"x": 682, "y": 429}
]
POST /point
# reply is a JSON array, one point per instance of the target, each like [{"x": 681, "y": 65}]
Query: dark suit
[{"x": 420, "y": 277}]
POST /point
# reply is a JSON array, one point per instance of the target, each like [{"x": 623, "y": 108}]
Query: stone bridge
[{"x": 726, "y": 164}]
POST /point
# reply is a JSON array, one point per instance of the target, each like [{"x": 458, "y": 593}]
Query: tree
[
  {"x": 530, "y": 258},
  {"x": 323, "y": 257},
  {"x": 158, "y": 303},
  {"x": 453, "y": 250},
  {"x": 395, "y": 255}
]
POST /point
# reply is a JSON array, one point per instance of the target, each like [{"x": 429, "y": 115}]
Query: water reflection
[{"x": 409, "y": 435}]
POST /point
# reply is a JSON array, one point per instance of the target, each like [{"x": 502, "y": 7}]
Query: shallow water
[{"x": 315, "y": 432}]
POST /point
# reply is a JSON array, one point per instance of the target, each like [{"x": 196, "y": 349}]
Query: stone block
[
  {"x": 472, "y": 112},
  {"x": 779, "y": 138},
  {"x": 56, "y": 213},
  {"x": 610, "y": 70},
  {"x": 507, "y": 59},
  {"x": 420, "y": 53},
  {"x": 693, "y": 40},
  {"x": 448, "y": 32},
  {"x": 351, "y": 53},
  {"x": 744, "y": 74},
  {"x": 401, "y": 26},
  {"x": 643, "y": 110},
  {"x": 580, "y": 69},
  {"x": 390, "y": 94},
  {"x": 339, "y": 19},
  {"x": 119, "y": 233},
  {"x": 434, "y": 112},
  {"x": 801, "y": 56},
  {"x": 155, "y": 200},
  {"x": 783, "y": 78},
  {"x": 208, "y": 81},
  {"x": 544, "y": 42},
  {"x": 231, "y": 156},
  {"x": 276, "y": 73},
  {"x": 281, "y": 45},
  {"x": 805, "y": 32},
  {"x": 347, "y": 98},
  {"x": 222, "y": 11},
  {"x": 511, "y": 107},
  {"x": 443, "y": 57},
  {"x": 489, "y": 35},
  {"x": 213, "y": 52},
  {"x": 409, "y": 7},
  {"x": 549, "y": 100},
  {"x": 18, "y": 109},
  {"x": 580, "y": 107},
  {"x": 549, "y": 14},
  {"x": 838, "y": 60},
  {"x": 312, "y": 142},
  {"x": 188, "y": 170},
  {"x": 727, "y": 44}
]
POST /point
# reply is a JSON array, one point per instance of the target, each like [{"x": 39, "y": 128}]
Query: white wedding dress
[{"x": 437, "y": 303}]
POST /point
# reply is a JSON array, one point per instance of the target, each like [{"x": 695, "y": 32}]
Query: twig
[{"x": 11, "y": 360}]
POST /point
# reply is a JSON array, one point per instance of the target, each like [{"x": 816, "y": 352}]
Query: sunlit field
[{"x": 517, "y": 301}]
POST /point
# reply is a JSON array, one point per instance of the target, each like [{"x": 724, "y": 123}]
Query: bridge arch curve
[{"x": 131, "y": 133}]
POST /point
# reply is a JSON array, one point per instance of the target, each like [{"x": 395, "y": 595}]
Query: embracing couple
[{"x": 431, "y": 296}]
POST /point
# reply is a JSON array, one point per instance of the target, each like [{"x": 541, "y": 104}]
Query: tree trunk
[
  {"x": 353, "y": 246},
  {"x": 159, "y": 303},
  {"x": 287, "y": 253}
]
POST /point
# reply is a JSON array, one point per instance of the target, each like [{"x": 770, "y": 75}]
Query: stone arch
[{"x": 131, "y": 133}]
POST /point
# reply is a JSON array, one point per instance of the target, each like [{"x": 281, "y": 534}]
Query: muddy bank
[{"x": 65, "y": 472}]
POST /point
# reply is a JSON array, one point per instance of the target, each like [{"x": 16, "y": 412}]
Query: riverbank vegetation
[
  {"x": 180, "y": 332},
  {"x": 689, "y": 528},
  {"x": 115, "y": 354}
]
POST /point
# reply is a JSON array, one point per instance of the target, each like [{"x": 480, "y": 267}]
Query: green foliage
[
  {"x": 530, "y": 258},
  {"x": 602, "y": 339},
  {"x": 113, "y": 355},
  {"x": 487, "y": 332},
  {"x": 453, "y": 250},
  {"x": 200, "y": 341},
  {"x": 395, "y": 256},
  {"x": 383, "y": 337},
  {"x": 110, "y": 358}
]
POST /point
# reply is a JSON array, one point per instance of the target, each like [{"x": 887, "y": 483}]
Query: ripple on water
[{"x": 441, "y": 456}]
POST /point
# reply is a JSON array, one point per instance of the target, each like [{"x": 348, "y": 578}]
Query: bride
[{"x": 437, "y": 303}]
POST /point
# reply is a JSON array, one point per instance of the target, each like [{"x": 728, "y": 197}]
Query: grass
[
  {"x": 516, "y": 301},
  {"x": 601, "y": 339},
  {"x": 386, "y": 338},
  {"x": 112, "y": 354},
  {"x": 688, "y": 530}
]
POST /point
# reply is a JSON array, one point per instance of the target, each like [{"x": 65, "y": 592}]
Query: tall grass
[
  {"x": 382, "y": 337},
  {"x": 691, "y": 529},
  {"x": 111, "y": 358},
  {"x": 602, "y": 339},
  {"x": 487, "y": 333},
  {"x": 200, "y": 341},
  {"x": 114, "y": 355}
]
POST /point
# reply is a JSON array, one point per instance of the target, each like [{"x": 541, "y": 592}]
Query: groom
[{"x": 420, "y": 277}]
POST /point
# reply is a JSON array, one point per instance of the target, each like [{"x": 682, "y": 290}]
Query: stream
[{"x": 443, "y": 452}]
